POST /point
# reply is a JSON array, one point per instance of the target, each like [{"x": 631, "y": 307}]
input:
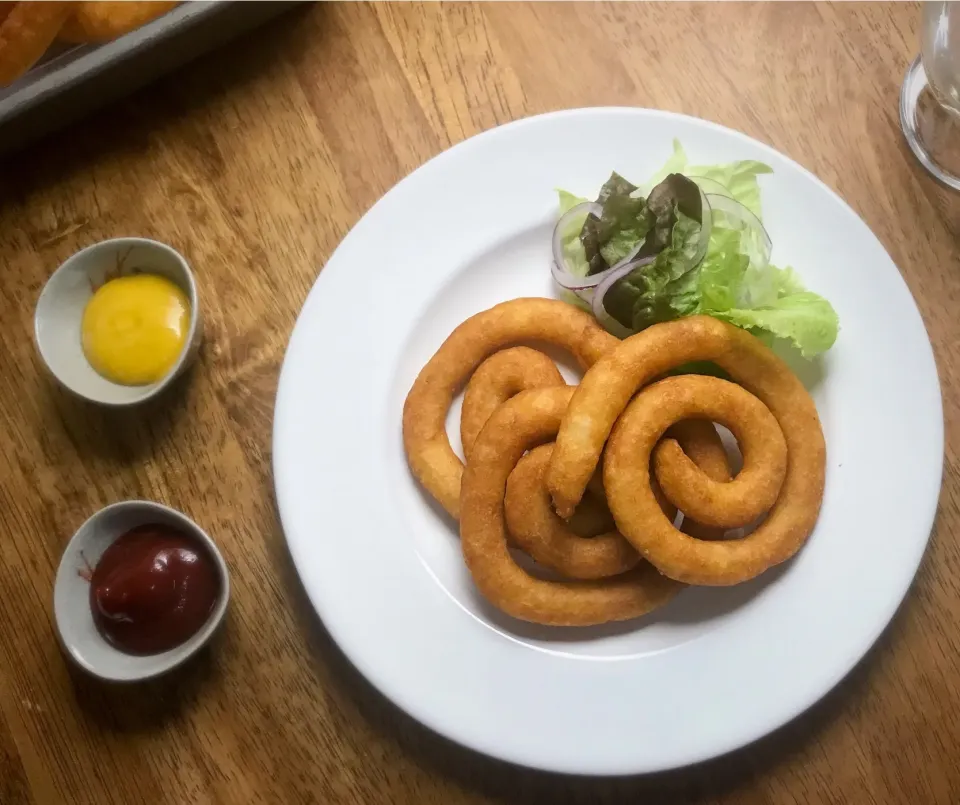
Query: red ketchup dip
[{"x": 153, "y": 589}]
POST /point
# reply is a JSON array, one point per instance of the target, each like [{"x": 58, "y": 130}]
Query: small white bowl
[
  {"x": 76, "y": 629},
  {"x": 59, "y": 314}
]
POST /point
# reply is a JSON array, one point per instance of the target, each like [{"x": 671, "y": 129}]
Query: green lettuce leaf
[
  {"x": 575, "y": 256},
  {"x": 722, "y": 270},
  {"x": 590, "y": 240},
  {"x": 804, "y": 318},
  {"x": 568, "y": 201},
  {"x": 739, "y": 178},
  {"x": 735, "y": 281},
  {"x": 676, "y": 163},
  {"x": 571, "y": 298},
  {"x": 664, "y": 289},
  {"x": 622, "y": 243},
  {"x": 614, "y": 187},
  {"x": 674, "y": 193},
  {"x": 573, "y": 251},
  {"x": 767, "y": 300},
  {"x": 622, "y": 224}
]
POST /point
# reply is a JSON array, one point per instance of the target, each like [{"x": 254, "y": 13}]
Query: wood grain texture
[{"x": 255, "y": 161}]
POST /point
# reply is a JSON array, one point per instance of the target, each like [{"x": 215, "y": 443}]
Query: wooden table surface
[{"x": 255, "y": 161}]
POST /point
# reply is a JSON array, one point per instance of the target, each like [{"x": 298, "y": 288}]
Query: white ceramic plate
[{"x": 715, "y": 669}]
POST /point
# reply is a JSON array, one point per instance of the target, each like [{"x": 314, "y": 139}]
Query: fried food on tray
[
  {"x": 103, "y": 20},
  {"x": 639, "y": 440},
  {"x": 26, "y": 31}
]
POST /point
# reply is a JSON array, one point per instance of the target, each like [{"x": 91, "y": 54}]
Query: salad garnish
[{"x": 692, "y": 243}]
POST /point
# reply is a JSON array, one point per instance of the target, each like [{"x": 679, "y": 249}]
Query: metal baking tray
[{"x": 76, "y": 80}]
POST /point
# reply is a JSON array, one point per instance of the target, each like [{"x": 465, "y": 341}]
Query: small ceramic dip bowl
[
  {"x": 59, "y": 315},
  {"x": 81, "y": 639}
]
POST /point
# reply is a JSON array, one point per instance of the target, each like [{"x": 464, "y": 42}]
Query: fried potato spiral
[
  {"x": 428, "y": 449},
  {"x": 643, "y": 443},
  {"x": 534, "y": 525},
  {"x": 529, "y": 419},
  {"x": 603, "y": 400},
  {"x": 496, "y": 380}
]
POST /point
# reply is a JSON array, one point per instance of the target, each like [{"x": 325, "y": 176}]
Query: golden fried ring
[
  {"x": 534, "y": 526},
  {"x": 26, "y": 31},
  {"x": 103, "y": 20},
  {"x": 591, "y": 517},
  {"x": 633, "y": 502},
  {"x": 496, "y": 380},
  {"x": 755, "y": 489},
  {"x": 431, "y": 459},
  {"x": 603, "y": 395},
  {"x": 606, "y": 389},
  {"x": 528, "y": 419},
  {"x": 699, "y": 439}
]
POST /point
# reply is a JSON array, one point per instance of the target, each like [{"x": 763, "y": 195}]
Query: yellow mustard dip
[{"x": 134, "y": 328}]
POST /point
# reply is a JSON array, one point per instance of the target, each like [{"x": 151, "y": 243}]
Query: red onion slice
[
  {"x": 582, "y": 286},
  {"x": 759, "y": 286},
  {"x": 625, "y": 260},
  {"x": 581, "y": 298},
  {"x": 572, "y": 282},
  {"x": 735, "y": 209},
  {"x": 563, "y": 276},
  {"x": 623, "y": 268},
  {"x": 706, "y": 227},
  {"x": 561, "y": 273},
  {"x": 711, "y": 186},
  {"x": 610, "y": 277}
]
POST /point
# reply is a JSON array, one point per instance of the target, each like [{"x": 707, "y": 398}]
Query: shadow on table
[
  {"x": 145, "y": 706},
  {"x": 122, "y": 434},
  {"x": 508, "y": 783}
]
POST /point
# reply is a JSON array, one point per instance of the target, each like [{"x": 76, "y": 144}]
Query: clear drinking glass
[{"x": 930, "y": 98}]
